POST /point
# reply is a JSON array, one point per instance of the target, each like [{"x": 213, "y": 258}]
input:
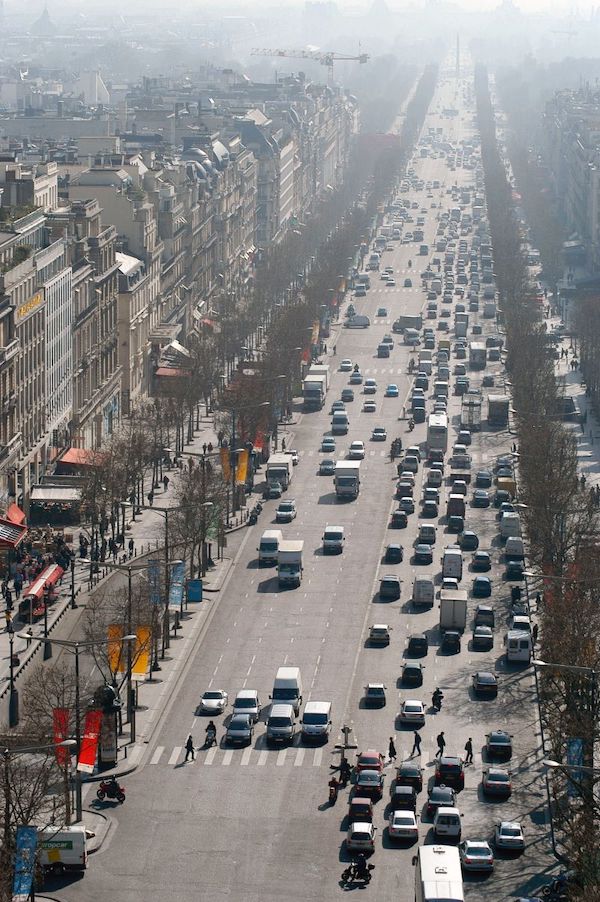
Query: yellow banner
[
  {"x": 241, "y": 469},
  {"x": 115, "y": 648},
  {"x": 314, "y": 339},
  {"x": 225, "y": 466},
  {"x": 141, "y": 651}
]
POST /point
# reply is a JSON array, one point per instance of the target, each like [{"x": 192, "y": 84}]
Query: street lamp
[
  {"x": 557, "y": 765},
  {"x": 74, "y": 647}
]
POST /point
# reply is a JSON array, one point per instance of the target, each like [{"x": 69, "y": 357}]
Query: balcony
[
  {"x": 9, "y": 351},
  {"x": 8, "y": 402},
  {"x": 13, "y": 447}
]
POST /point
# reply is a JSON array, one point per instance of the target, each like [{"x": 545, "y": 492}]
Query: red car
[{"x": 371, "y": 759}]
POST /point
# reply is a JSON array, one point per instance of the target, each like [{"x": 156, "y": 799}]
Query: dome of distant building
[{"x": 44, "y": 26}]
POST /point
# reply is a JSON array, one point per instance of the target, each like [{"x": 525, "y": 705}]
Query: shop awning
[
  {"x": 48, "y": 577},
  {"x": 11, "y": 534},
  {"x": 170, "y": 371},
  {"x": 15, "y": 514},
  {"x": 55, "y": 494},
  {"x": 81, "y": 457}
]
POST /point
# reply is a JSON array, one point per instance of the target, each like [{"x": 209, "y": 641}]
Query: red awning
[
  {"x": 208, "y": 322},
  {"x": 48, "y": 577},
  {"x": 170, "y": 371},
  {"x": 81, "y": 457},
  {"x": 11, "y": 534},
  {"x": 15, "y": 514}
]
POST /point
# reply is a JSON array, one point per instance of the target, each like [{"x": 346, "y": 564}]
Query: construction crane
[{"x": 326, "y": 58}]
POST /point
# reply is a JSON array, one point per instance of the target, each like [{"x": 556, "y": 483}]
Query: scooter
[
  {"x": 411, "y": 425},
  {"x": 351, "y": 875},
  {"x": 110, "y": 789},
  {"x": 436, "y": 701},
  {"x": 333, "y": 793},
  {"x": 211, "y": 738}
]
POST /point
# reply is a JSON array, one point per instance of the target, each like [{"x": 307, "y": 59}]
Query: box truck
[{"x": 289, "y": 562}]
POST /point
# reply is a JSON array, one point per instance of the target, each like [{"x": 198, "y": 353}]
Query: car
[
  {"x": 483, "y": 638},
  {"x": 495, "y": 781},
  {"x": 327, "y": 467},
  {"x": 338, "y": 407},
  {"x": 361, "y": 837},
  {"x": 275, "y": 489},
  {"x": 488, "y": 381},
  {"x": 384, "y": 276},
  {"x": 451, "y": 641},
  {"x": 411, "y": 462},
  {"x": 360, "y": 808},
  {"x": 456, "y": 523},
  {"x": 240, "y": 730},
  {"x": 347, "y": 395},
  {"x": 328, "y": 445},
  {"x": 422, "y": 381},
  {"x": 375, "y": 695},
  {"x": 356, "y": 378},
  {"x": 370, "y": 759},
  {"x": 481, "y": 561},
  {"x": 369, "y": 407},
  {"x": 382, "y": 311},
  {"x": 407, "y": 504},
  {"x": 481, "y": 498},
  {"x": 482, "y": 587},
  {"x": 379, "y": 634},
  {"x": 346, "y": 365},
  {"x": 440, "y": 797},
  {"x": 294, "y": 455},
  {"x": 408, "y": 282},
  {"x": 485, "y": 683},
  {"x": 360, "y": 291},
  {"x": 389, "y": 587},
  {"x": 394, "y": 554},
  {"x": 499, "y": 744},
  {"x": 485, "y": 616},
  {"x": 389, "y": 270},
  {"x": 509, "y": 835},
  {"x": 412, "y": 674},
  {"x": 388, "y": 340},
  {"x": 214, "y": 701},
  {"x": 469, "y": 541},
  {"x": 449, "y": 583},
  {"x": 403, "y": 798},
  {"x": 476, "y": 855},
  {"x": 391, "y": 283},
  {"x": 399, "y": 519},
  {"x": 418, "y": 645},
  {"x": 429, "y": 510},
  {"x": 403, "y": 825},
  {"x": 409, "y": 774},
  {"x": 515, "y": 570},
  {"x": 247, "y": 702},
  {"x": 450, "y": 771},
  {"x": 370, "y": 386},
  {"x": 356, "y": 450},
  {"x": 286, "y": 512},
  {"x": 379, "y": 434},
  {"x": 423, "y": 554},
  {"x": 369, "y": 783},
  {"x": 392, "y": 390},
  {"x": 464, "y": 437},
  {"x": 412, "y": 712}
]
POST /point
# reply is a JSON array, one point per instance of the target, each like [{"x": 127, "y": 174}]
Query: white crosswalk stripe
[
  {"x": 157, "y": 754},
  {"x": 281, "y": 757},
  {"x": 175, "y": 754},
  {"x": 294, "y": 756}
]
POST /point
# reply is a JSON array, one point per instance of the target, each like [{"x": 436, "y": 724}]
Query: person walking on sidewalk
[
  {"x": 131, "y": 546},
  {"x": 416, "y": 749},
  {"x": 441, "y": 744},
  {"x": 392, "y": 749},
  {"x": 189, "y": 748},
  {"x": 469, "y": 751},
  {"x": 150, "y": 498},
  {"x": 165, "y": 482}
]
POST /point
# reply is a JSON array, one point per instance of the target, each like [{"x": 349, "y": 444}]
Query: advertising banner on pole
[
  {"x": 241, "y": 470},
  {"x": 115, "y": 648},
  {"x": 194, "y": 590},
  {"x": 177, "y": 584},
  {"x": 89, "y": 741},
  {"x": 574, "y": 760},
  {"x": 26, "y": 841},
  {"x": 108, "y": 739},
  {"x": 141, "y": 652},
  {"x": 153, "y": 574},
  {"x": 60, "y": 722},
  {"x": 225, "y": 463}
]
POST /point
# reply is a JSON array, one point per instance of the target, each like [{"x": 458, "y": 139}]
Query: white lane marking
[
  {"x": 281, "y": 757},
  {"x": 157, "y": 754},
  {"x": 227, "y": 757},
  {"x": 299, "y": 757},
  {"x": 318, "y": 757},
  {"x": 262, "y": 758},
  {"x": 208, "y": 759},
  {"x": 246, "y": 756},
  {"x": 134, "y": 754},
  {"x": 175, "y": 754}
]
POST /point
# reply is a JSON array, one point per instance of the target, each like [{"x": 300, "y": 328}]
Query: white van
[
  {"x": 316, "y": 720},
  {"x": 340, "y": 423},
  {"x": 514, "y": 549},
  {"x": 452, "y": 563},
  {"x": 268, "y": 547},
  {"x": 423, "y": 592},
  {"x": 333, "y": 540},
  {"x": 287, "y": 687},
  {"x": 281, "y": 725},
  {"x": 247, "y": 702},
  {"x": 518, "y": 647},
  {"x": 440, "y": 389},
  {"x": 510, "y": 525},
  {"x": 446, "y": 822},
  {"x": 63, "y": 848}
]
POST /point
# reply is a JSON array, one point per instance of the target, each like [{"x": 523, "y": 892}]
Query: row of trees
[{"x": 562, "y": 522}]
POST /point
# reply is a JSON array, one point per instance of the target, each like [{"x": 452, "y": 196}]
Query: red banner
[
  {"x": 89, "y": 741},
  {"x": 60, "y": 720}
]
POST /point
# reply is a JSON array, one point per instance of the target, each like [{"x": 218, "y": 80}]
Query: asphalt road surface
[{"x": 255, "y": 824}]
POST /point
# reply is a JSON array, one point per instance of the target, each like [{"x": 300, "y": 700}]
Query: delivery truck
[
  {"x": 280, "y": 469},
  {"x": 346, "y": 478},
  {"x": 477, "y": 355},
  {"x": 498, "y": 406},
  {"x": 470, "y": 412},
  {"x": 453, "y": 609},
  {"x": 289, "y": 562},
  {"x": 63, "y": 848},
  {"x": 314, "y": 389},
  {"x": 320, "y": 369},
  {"x": 408, "y": 321}
]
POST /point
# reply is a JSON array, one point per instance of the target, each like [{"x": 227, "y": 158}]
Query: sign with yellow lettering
[{"x": 33, "y": 302}]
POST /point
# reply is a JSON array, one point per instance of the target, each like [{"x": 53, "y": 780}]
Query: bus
[
  {"x": 437, "y": 432},
  {"x": 438, "y": 875}
]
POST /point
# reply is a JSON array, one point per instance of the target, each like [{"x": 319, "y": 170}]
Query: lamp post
[
  {"x": 47, "y": 646},
  {"x": 74, "y": 647},
  {"x": 164, "y": 512},
  {"x": 13, "y": 698},
  {"x": 73, "y": 604}
]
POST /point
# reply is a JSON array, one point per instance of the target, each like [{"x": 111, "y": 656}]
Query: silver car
[
  {"x": 214, "y": 701},
  {"x": 240, "y": 730}
]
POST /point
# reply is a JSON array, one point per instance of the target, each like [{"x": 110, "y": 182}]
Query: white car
[
  {"x": 509, "y": 835},
  {"x": 346, "y": 365},
  {"x": 476, "y": 855},
  {"x": 214, "y": 701},
  {"x": 361, "y": 837},
  {"x": 356, "y": 451},
  {"x": 403, "y": 825},
  {"x": 294, "y": 455},
  {"x": 412, "y": 711},
  {"x": 369, "y": 407},
  {"x": 286, "y": 511},
  {"x": 369, "y": 386}
]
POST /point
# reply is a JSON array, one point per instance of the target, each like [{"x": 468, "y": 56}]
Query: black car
[
  {"x": 418, "y": 644},
  {"x": 455, "y": 524},
  {"x": 485, "y": 615},
  {"x": 451, "y": 641},
  {"x": 499, "y": 745},
  {"x": 409, "y": 774},
  {"x": 389, "y": 587},
  {"x": 483, "y": 638},
  {"x": 423, "y": 554},
  {"x": 399, "y": 520},
  {"x": 450, "y": 771},
  {"x": 481, "y": 562},
  {"x": 440, "y": 797},
  {"x": 501, "y": 497},
  {"x": 483, "y": 479},
  {"x": 469, "y": 541},
  {"x": 485, "y": 683},
  {"x": 514, "y": 569},
  {"x": 403, "y": 798},
  {"x": 429, "y": 511},
  {"x": 412, "y": 674},
  {"x": 394, "y": 554}
]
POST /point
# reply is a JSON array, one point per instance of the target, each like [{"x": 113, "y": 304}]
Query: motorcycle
[
  {"x": 211, "y": 738},
  {"x": 333, "y": 793},
  {"x": 352, "y": 875},
  {"x": 411, "y": 425},
  {"x": 558, "y": 889},
  {"x": 110, "y": 789},
  {"x": 436, "y": 701},
  {"x": 345, "y": 773}
]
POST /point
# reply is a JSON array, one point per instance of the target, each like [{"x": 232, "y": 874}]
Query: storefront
[{"x": 54, "y": 505}]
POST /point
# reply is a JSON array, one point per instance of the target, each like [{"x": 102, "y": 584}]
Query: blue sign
[
  {"x": 194, "y": 590},
  {"x": 574, "y": 760},
  {"x": 153, "y": 572},
  {"x": 24, "y": 863},
  {"x": 177, "y": 583}
]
